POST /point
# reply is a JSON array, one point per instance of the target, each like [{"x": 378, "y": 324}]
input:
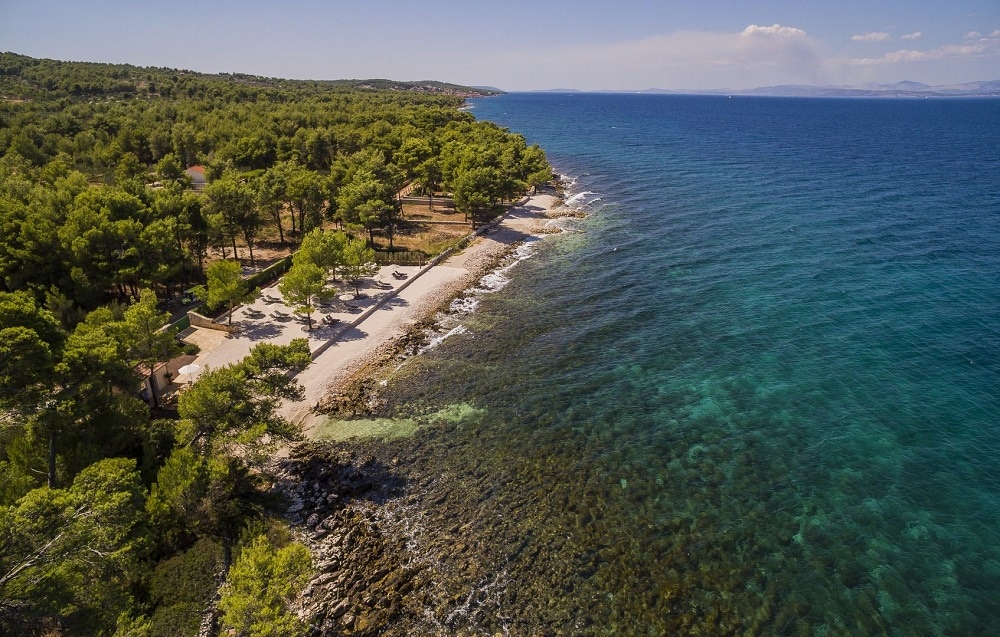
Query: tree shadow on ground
[
  {"x": 262, "y": 331},
  {"x": 352, "y": 334},
  {"x": 321, "y": 330},
  {"x": 529, "y": 208},
  {"x": 394, "y": 302}
]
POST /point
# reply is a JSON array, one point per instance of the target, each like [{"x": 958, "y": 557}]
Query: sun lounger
[{"x": 398, "y": 275}]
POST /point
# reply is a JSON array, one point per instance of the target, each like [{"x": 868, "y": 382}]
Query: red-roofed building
[{"x": 197, "y": 176}]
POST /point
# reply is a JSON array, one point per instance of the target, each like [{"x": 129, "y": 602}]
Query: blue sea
[{"x": 757, "y": 392}]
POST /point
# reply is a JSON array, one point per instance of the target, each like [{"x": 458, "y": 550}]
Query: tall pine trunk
[
  {"x": 52, "y": 456},
  {"x": 281, "y": 229}
]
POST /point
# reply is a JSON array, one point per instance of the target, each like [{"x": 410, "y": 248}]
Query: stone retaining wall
[{"x": 197, "y": 320}]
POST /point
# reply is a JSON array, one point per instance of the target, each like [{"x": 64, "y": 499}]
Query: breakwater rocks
[
  {"x": 565, "y": 213},
  {"x": 380, "y": 568},
  {"x": 400, "y": 549},
  {"x": 362, "y": 576},
  {"x": 407, "y": 541}
]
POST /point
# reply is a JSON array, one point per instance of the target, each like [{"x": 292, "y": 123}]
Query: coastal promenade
[{"x": 364, "y": 325}]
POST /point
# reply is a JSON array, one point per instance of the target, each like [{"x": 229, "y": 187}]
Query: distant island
[
  {"x": 24, "y": 77},
  {"x": 905, "y": 89}
]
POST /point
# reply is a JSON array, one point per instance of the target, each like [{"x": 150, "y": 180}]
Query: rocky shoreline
[
  {"x": 404, "y": 546},
  {"x": 362, "y": 582},
  {"x": 395, "y": 544}
]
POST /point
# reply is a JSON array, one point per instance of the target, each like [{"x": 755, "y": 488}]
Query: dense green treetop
[
  {"x": 93, "y": 192},
  {"x": 303, "y": 285},
  {"x": 262, "y": 581},
  {"x": 114, "y": 522},
  {"x": 226, "y": 286}
]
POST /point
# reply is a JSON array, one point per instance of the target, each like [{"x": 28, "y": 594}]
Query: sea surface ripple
[{"x": 760, "y": 393}]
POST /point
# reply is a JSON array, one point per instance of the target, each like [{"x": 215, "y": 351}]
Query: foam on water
[
  {"x": 577, "y": 197},
  {"x": 492, "y": 282},
  {"x": 563, "y": 224},
  {"x": 450, "y": 323},
  {"x": 465, "y": 304},
  {"x": 440, "y": 338}
]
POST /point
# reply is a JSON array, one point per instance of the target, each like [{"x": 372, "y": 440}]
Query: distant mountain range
[{"x": 899, "y": 89}]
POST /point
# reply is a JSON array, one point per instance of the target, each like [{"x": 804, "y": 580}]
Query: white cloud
[
  {"x": 983, "y": 47},
  {"x": 774, "y": 29},
  {"x": 755, "y": 56},
  {"x": 877, "y": 36},
  {"x": 995, "y": 34},
  {"x": 912, "y": 36},
  {"x": 972, "y": 35},
  {"x": 758, "y": 55}
]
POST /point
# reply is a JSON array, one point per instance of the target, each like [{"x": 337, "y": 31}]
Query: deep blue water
[{"x": 760, "y": 392}]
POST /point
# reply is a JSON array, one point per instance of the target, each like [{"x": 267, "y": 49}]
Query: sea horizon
[{"x": 903, "y": 89}]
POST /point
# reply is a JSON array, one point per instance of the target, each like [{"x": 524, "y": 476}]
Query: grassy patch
[{"x": 392, "y": 428}]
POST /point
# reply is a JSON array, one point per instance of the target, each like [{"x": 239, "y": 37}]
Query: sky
[{"x": 520, "y": 45}]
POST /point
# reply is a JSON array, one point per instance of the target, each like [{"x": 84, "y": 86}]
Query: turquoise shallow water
[{"x": 760, "y": 393}]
